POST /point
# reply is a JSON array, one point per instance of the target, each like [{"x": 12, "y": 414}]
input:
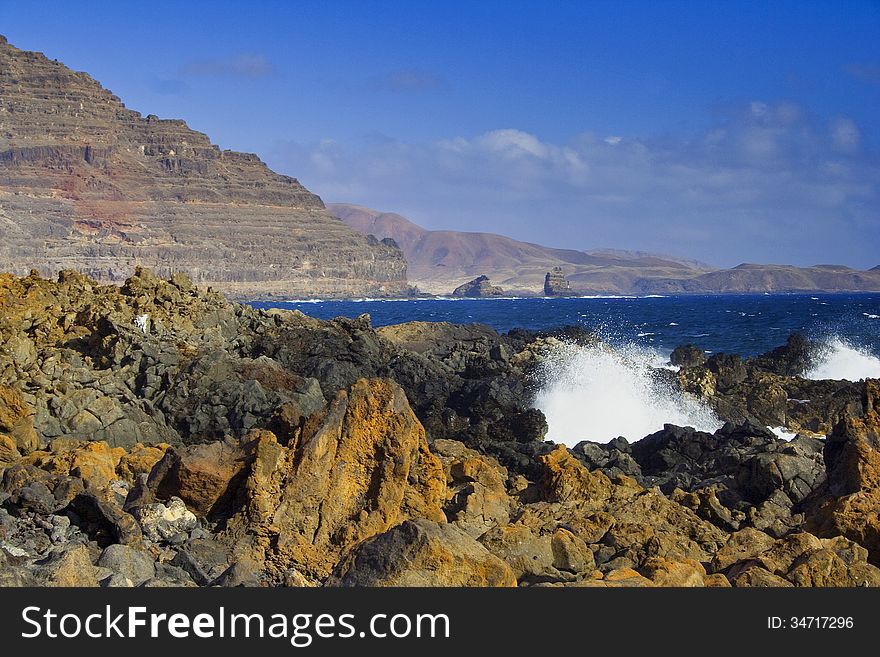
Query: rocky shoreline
[{"x": 156, "y": 434}]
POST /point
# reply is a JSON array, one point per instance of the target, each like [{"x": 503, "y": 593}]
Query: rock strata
[{"x": 88, "y": 184}]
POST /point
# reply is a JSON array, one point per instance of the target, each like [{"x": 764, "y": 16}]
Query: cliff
[{"x": 87, "y": 184}]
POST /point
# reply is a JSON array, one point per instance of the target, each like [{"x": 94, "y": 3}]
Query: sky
[{"x": 728, "y": 131}]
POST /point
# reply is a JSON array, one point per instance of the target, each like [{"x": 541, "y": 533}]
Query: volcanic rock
[
  {"x": 479, "y": 287},
  {"x": 422, "y": 553},
  {"x": 852, "y": 458},
  {"x": 363, "y": 467},
  {"x": 555, "y": 283}
]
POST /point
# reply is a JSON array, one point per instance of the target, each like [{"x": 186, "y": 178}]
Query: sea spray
[
  {"x": 837, "y": 358},
  {"x": 600, "y": 392}
]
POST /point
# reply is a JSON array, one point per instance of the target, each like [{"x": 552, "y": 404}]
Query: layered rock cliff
[{"x": 87, "y": 184}]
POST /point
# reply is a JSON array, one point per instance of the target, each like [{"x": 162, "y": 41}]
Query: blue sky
[{"x": 725, "y": 131}]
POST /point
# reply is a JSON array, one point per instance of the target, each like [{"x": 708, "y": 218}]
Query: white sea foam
[
  {"x": 783, "y": 433},
  {"x": 598, "y": 393},
  {"x": 837, "y": 359}
]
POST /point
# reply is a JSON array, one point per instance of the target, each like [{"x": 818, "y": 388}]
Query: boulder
[
  {"x": 476, "y": 496},
  {"x": 67, "y": 567},
  {"x": 422, "y": 553},
  {"x": 140, "y": 460},
  {"x": 161, "y": 522},
  {"x": 127, "y": 562},
  {"x": 204, "y": 476},
  {"x": 664, "y": 572},
  {"x": 565, "y": 478},
  {"x": 530, "y": 556}
]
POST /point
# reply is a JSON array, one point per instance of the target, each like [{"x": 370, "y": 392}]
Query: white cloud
[
  {"x": 845, "y": 135},
  {"x": 766, "y": 184}
]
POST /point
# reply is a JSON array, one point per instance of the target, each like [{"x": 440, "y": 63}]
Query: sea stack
[
  {"x": 556, "y": 284},
  {"x": 477, "y": 288}
]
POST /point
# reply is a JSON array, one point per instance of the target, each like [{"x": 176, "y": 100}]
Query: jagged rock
[
  {"x": 363, "y": 466},
  {"x": 422, "y": 553},
  {"x": 476, "y": 496},
  {"x": 16, "y": 427},
  {"x": 769, "y": 389},
  {"x": 93, "y": 462},
  {"x": 626, "y": 523},
  {"x": 556, "y": 284},
  {"x": 479, "y": 287},
  {"x": 798, "y": 558},
  {"x": 687, "y": 355},
  {"x": 139, "y": 461},
  {"x": 566, "y": 479},
  {"x": 755, "y": 475},
  {"x": 853, "y": 493},
  {"x": 103, "y": 520}
]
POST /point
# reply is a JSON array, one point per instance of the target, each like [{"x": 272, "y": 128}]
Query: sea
[{"x": 597, "y": 393}]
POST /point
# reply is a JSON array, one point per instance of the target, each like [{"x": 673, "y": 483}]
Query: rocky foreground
[{"x": 158, "y": 435}]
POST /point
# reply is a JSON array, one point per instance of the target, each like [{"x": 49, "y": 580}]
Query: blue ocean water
[{"x": 747, "y": 324}]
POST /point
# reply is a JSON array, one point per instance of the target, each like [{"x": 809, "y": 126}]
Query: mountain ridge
[{"x": 439, "y": 261}]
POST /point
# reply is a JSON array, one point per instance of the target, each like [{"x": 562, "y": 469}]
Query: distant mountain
[
  {"x": 440, "y": 260},
  {"x": 771, "y": 278},
  {"x": 87, "y": 184}
]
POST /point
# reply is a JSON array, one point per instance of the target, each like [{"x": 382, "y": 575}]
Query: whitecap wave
[
  {"x": 598, "y": 393},
  {"x": 837, "y": 359}
]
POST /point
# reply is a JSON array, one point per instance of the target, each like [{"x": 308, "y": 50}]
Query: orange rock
[
  {"x": 15, "y": 421},
  {"x": 362, "y": 467},
  {"x": 94, "y": 462},
  {"x": 203, "y": 475},
  {"x": 565, "y": 478},
  {"x": 140, "y": 460},
  {"x": 664, "y": 572},
  {"x": 717, "y": 581},
  {"x": 852, "y": 457}
]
